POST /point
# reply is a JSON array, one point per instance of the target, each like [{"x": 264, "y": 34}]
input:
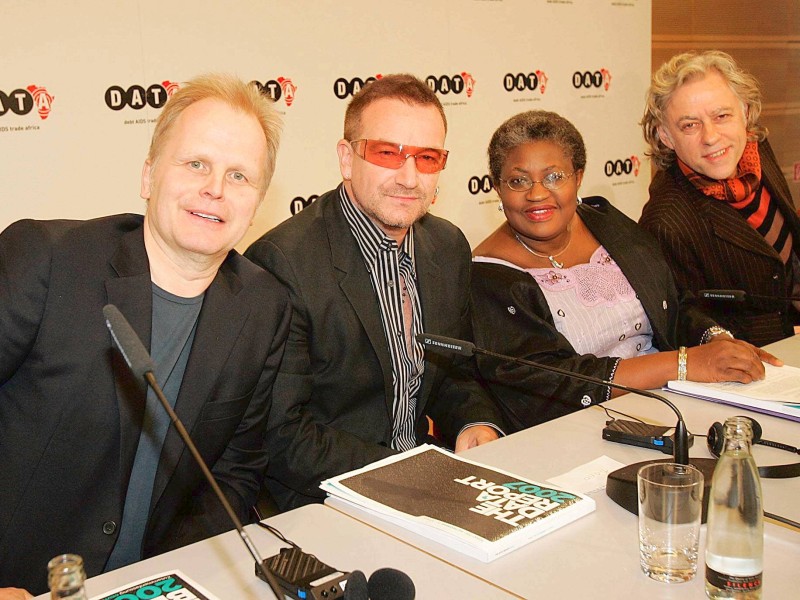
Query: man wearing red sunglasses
[{"x": 368, "y": 269}]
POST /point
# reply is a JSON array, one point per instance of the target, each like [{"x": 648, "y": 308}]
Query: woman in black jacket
[{"x": 576, "y": 284}]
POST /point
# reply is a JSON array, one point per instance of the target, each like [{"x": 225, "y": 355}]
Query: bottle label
[{"x": 733, "y": 582}]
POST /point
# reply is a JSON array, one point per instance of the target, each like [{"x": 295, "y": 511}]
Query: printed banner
[{"x": 78, "y": 103}]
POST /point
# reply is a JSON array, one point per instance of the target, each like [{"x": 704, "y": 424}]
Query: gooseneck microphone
[
  {"x": 740, "y": 296},
  {"x": 357, "y": 587},
  {"x": 725, "y": 295},
  {"x": 292, "y": 573},
  {"x": 391, "y": 584},
  {"x": 384, "y": 584},
  {"x": 621, "y": 485},
  {"x": 443, "y": 344},
  {"x": 141, "y": 365}
]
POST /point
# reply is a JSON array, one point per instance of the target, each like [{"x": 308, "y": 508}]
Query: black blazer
[
  {"x": 333, "y": 395},
  {"x": 511, "y": 316},
  {"x": 709, "y": 245},
  {"x": 70, "y": 411}
]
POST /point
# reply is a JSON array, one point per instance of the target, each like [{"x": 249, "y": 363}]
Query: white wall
[{"x": 84, "y": 159}]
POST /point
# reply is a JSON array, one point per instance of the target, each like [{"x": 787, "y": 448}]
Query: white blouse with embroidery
[{"x": 594, "y": 306}]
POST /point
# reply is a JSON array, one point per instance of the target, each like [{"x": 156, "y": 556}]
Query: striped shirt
[{"x": 393, "y": 275}]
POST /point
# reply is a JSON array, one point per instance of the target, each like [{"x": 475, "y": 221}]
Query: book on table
[
  {"x": 778, "y": 394},
  {"x": 173, "y": 585},
  {"x": 475, "y": 509}
]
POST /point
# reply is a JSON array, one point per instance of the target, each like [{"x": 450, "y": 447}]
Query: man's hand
[
  {"x": 473, "y": 436},
  {"x": 14, "y": 594}
]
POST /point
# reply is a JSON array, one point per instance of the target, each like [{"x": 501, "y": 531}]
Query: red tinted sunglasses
[{"x": 394, "y": 156}]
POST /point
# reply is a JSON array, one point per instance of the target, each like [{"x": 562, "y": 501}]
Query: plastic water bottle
[
  {"x": 66, "y": 577},
  {"x": 735, "y": 534}
]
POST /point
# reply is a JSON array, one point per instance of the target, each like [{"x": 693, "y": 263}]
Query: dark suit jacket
[
  {"x": 529, "y": 396},
  {"x": 333, "y": 395},
  {"x": 711, "y": 246},
  {"x": 70, "y": 411}
]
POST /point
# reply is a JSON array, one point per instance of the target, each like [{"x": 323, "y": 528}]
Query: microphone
[
  {"x": 141, "y": 365},
  {"x": 391, "y": 584},
  {"x": 384, "y": 584},
  {"x": 729, "y": 295},
  {"x": 621, "y": 485},
  {"x": 740, "y": 296},
  {"x": 357, "y": 587},
  {"x": 442, "y": 344}
]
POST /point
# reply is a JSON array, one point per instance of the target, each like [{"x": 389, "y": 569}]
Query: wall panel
[{"x": 764, "y": 38}]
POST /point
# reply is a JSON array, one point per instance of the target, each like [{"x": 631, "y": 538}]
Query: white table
[
  {"x": 597, "y": 556},
  {"x": 594, "y": 557},
  {"x": 224, "y": 567}
]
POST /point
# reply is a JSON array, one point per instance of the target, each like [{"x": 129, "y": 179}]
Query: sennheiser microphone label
[{"x": 455, "y": 347}]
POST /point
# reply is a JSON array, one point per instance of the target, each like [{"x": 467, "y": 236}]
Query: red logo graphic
[
  {"x": 288, "y": 88},
  {"x": 542, "y": 77},
  {"x": 170, "y": 86},
  {"x": 606, "y": 78},
  {"x": 636, "y": 164},
  {"x": 469, "y": 83},
  {"x": 42, "y": 99}
]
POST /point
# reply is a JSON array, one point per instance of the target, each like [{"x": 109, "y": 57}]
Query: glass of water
[{"x": 670, "y": 505}]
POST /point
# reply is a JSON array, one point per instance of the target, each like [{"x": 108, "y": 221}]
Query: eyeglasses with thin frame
[
  {"x": 394, "y": 156},
  {"x": 552, "y": 181}
]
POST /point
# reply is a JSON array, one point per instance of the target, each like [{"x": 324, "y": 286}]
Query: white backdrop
[{"x": 75, "y": 121}]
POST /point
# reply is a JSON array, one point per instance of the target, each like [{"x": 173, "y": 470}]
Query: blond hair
[
  {"x": 682, "y": 68},
  {"x": 241, "y": 96}
]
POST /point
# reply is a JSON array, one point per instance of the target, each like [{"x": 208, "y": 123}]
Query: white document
[
  {"x": 781, "y": 384},
  {"x": 589, "y": 478}
]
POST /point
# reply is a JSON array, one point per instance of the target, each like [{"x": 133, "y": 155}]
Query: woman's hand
[
  {"x": 762, "y": 354},
  {"x": 726, "y": 359}
]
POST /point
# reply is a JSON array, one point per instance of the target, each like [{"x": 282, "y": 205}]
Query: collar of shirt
[{"x": 371, "y": 239}]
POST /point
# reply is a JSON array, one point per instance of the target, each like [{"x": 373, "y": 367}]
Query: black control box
[
  {"x": 635, "y": 433},
  {"x": 304, "y": 577}
]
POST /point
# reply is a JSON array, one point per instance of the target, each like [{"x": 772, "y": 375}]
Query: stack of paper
[
  {"x": 472, "y": 508},
  {"x": 778, "y": 394}
]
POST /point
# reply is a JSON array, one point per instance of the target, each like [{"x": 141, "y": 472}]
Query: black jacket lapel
[
  {"x": 355, "y": 282},
  {"x": 219, "y": 326},
  {"x": 428, "y": 274},
  {"x": 131, "y": 293}
]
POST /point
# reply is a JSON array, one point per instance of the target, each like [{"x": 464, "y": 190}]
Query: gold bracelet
[{"x": 682, "y": 363}]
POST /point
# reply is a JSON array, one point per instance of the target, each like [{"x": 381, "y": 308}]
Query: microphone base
[{"x": 621, "y": 485}]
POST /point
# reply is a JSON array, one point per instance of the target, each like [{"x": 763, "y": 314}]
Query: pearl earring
[{"x": 580, "y": 200}]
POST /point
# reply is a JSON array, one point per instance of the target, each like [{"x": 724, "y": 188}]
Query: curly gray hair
[
  {"x": 682, "y": 68},
  {"x": 534, "y": 126}
]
